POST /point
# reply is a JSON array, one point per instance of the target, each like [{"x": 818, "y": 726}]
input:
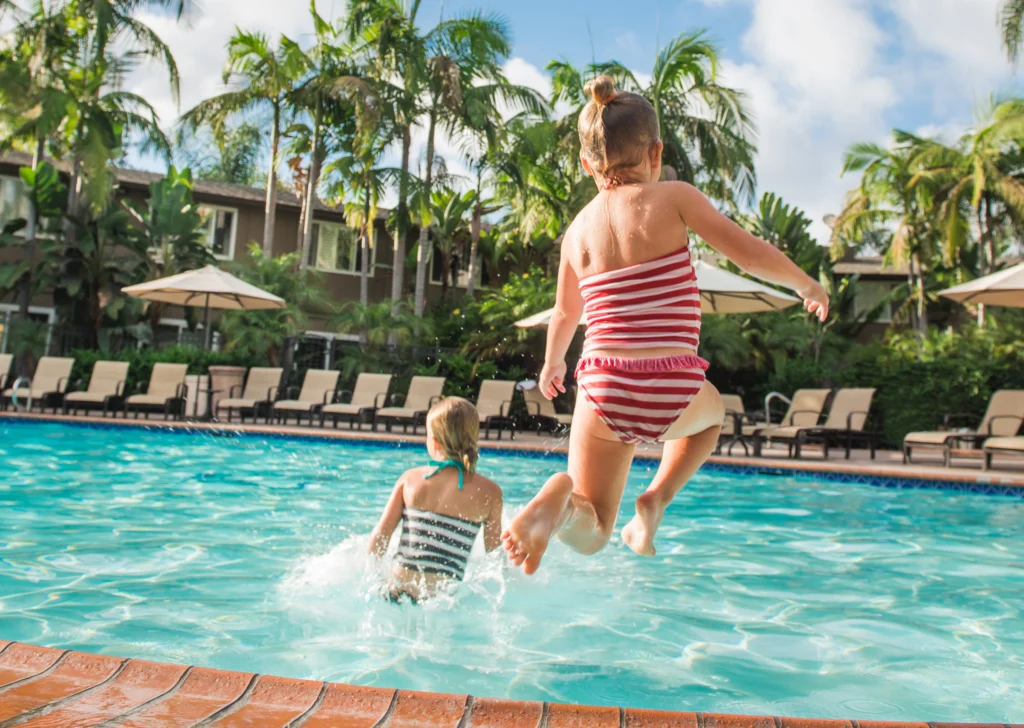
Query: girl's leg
[
  {"x": 689, "y": 443},
  {"x": 580, "y": 505}
]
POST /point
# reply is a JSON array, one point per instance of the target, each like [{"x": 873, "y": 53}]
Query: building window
[
  {"x": 459, "y": 273},
  {"x": 13, "y": 200},
  {"x": 221, "y": 226},
  {"x": 867, "y": 296},
  {"x": 335, "y": 248}
]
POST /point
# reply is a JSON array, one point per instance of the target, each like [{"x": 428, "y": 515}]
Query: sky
[{"x": 819, "y": 74}]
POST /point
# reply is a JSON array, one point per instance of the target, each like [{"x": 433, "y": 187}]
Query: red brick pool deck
[
  {"x": 41, "y": 687},
  {"x": 53, "y": 688}
]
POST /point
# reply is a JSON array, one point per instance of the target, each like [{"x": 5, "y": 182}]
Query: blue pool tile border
[{"x": 876, "y": 480}]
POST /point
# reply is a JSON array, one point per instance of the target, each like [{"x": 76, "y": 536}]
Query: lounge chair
[
  {"x": 494, "y": 404},
  {"x": 370, "y": 392},
  {"x": 1007, "y": 445},
  {"x": 423, "y": 393},
  {"x": 166, "y": 392},
  {"x": 804, "y": 411},
  {"x": 257, "y": 396},
  {"x": 6, "y": 360},
  {"x": 846, "y": 419},
  {"x": 47, "y": 386},
  {"x": 541, "y": 411},
  {"x": 1002, "y": 419},
  {"x": 317, "y": 390},
  {"x": 106, "y": 389}
]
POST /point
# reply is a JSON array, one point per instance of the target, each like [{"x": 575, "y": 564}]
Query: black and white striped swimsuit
[{"x": 435, "y": 544}]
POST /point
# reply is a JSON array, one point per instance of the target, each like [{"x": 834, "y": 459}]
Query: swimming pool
[{"x": 770, "y": 595}]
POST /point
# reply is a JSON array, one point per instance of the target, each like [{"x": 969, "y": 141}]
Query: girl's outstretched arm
[
  {"x": 564, "y": 320},
  {"x": 750, "y": 253},
  {"x": 389, "y": 520}
]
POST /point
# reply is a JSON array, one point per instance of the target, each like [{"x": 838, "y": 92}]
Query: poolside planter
[
  {"x": 222, "y": 380},
  {"x": 195, "y": 404}
]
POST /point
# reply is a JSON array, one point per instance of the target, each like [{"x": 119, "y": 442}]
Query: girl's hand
[
  {"x": 552, "y": 379},
  {"x": 815, "y": 300}
]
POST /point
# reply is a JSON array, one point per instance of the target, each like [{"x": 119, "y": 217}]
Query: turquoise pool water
[{"x": 769, "y": 594}]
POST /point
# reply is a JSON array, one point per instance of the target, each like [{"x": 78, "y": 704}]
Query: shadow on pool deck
[{"x": 40, "y": 686}]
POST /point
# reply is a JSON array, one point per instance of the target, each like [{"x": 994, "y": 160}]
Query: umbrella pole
[{"x": 206, "y": 326}]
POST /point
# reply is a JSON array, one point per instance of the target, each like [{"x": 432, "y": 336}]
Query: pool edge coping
[{"x": 270, "y": 701}]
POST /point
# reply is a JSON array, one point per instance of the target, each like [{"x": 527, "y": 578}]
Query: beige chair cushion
[
  {"x": 806, "y": 408},
  {"x": 1006, "y": 403},
  {"x": 845, "y": 403},
  {"x": 928, "y": 438},
  {"x": 781, "y": 432},
  {"x": 239, "y": 403},
  {"x": 343, "y": 409},
  {"x": 148, "y": 399},
  {"x": 564, "y": 419},
  {"x": 295, "y": 405},
  {"x": 405, "y": 413},
  {"x": 257, "y": 384},
  {"x": 368, "y": 386},
  {"x": 537, "y": 403},
  {"x": 163, "y": 382},
  {"x": 316, "y": 384},
  {"x": 6, "y": 360},
  {"x": 106, "y": 376},
  {"x": 52, "y": 374},
  {"x": 421, "y": 391},
  {"x": 35, "y": 394},
  {"x": 1005, "y": 443},
  {"x": 493, "y": 394},
  {"x": 85, "y": 397}
]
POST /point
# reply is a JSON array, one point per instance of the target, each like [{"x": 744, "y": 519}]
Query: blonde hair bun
[{"x": 601, "y": 90}]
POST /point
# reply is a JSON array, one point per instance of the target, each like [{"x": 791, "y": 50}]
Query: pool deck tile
[
  {"x": 347, "y": 706},
  {"x": 275, "y": 701},
  {"x": 719, "y": 720},
  {"x": 582, "y": 716},
  {"x": 426, "y": 710},
  {"x": 493, "y": 713},
  {"x": 82, "y": 690},
  {"x": 814, "y": 723},
  {"x": 203, "y": 694},
  {"x": 659, "y": 719},
  {"x": 75, "y": 673},
  {"x": 19, "y": 662},
  {"x": 137, "y": 684}
]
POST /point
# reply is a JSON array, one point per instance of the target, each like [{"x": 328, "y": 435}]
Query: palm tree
[
  {"x": 980, "y": 177},
  {"x": 464, "y": 57},
  {"x": 706, "y": 128},
  {"x": 448, "y": 210},
  {"x": 398, "y": 58},
  {"x": 1011, "y": 21},
  {"x": 788, "y": 229},
  {"x": 262, "y": 77},
  {"x": 887, "y": 196},
  {"x": 334, "y": 94}
]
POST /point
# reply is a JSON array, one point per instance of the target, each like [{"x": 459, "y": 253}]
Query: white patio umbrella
[
  {"x": 1005, "y": 288},
  {"x": 720, "y": 292},
  {"x": 208, "y": 287}
]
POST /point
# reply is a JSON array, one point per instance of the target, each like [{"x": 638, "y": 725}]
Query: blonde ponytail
[{"x": 454, "y": 423}]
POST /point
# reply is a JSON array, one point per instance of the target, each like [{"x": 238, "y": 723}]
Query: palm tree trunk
[
  {"x": 422, "y": 254},
  {"x": 990, "y": 238},
  {"x": 474, "y": 230},
  {"x": 270, "y": 216},
  {"x": 364, "y": 269},
  {"x": 25, "y": 285},
  {"x": 401, "y": 229},
  {"x": 922, "y": 308},
  {"x": 314, "y": 174}
]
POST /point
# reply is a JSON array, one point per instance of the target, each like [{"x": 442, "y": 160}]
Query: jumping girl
[
  {"x": 626, "y": 263},
  {"x": 442, "y": 507}
]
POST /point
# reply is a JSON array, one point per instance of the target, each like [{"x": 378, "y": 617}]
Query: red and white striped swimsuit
[{"x": 649, "y": 305}]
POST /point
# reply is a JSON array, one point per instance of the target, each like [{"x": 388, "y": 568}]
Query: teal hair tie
[{"x": 450, "y": 464}]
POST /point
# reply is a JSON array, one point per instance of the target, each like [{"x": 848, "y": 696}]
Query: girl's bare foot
[
  {"x": 528, "y": 536},
  {"x": 639, "y": 533}
]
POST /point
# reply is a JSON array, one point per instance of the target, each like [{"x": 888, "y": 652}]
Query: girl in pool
[
  {"x": 442, "y": 507},
  {"x": 626, "y": 263}
]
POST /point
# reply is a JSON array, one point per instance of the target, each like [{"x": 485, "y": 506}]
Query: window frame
[
  {"x": 464, "y": 286},
  {"x": 859, "y": 308},
  {"x": 356, "y": 239},
  {"x": 211, "y": 231},
  {"x": 23, "y": 200}
]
